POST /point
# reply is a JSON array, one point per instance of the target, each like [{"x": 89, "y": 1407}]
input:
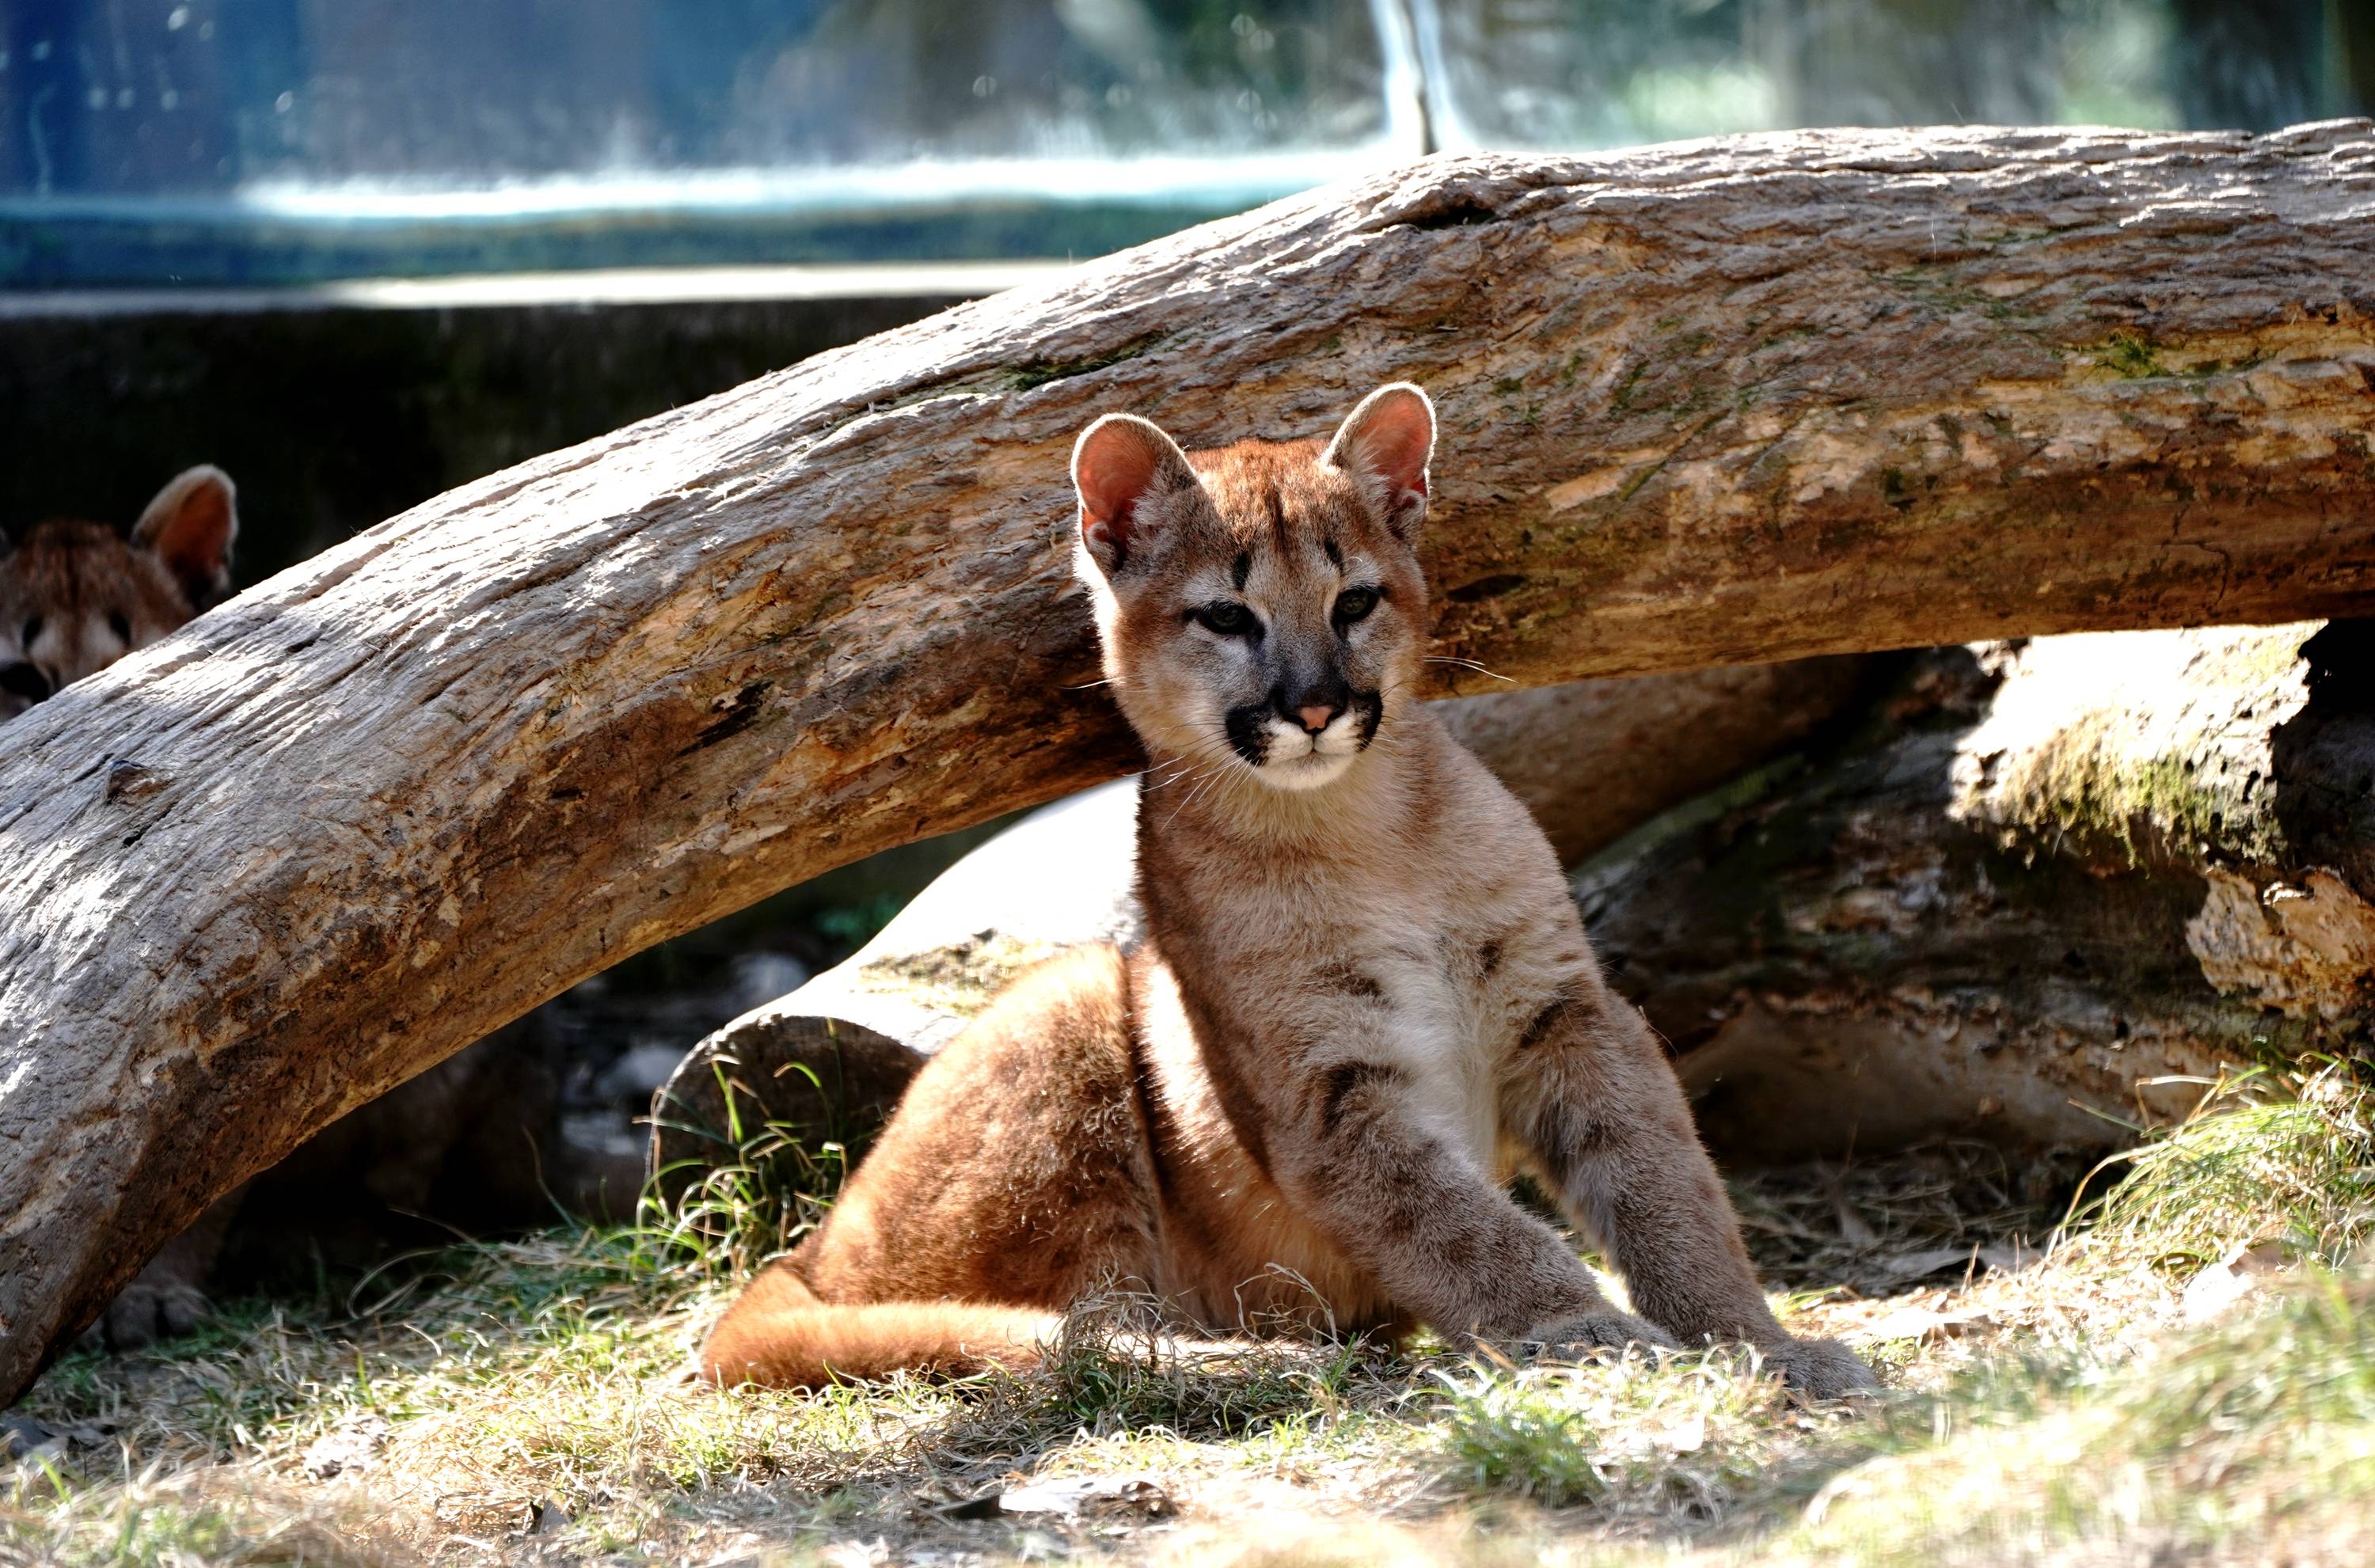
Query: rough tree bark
[
  {"x": 2045, "y": 893},
  {"x": 1593, "y": 759},
  {"x": 1713, "y": 402}
]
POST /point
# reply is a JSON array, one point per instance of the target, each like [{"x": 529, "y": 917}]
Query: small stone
[
  {"x": 2217, "y": 1288},
  {"x": 1069, "y": 1496},
  {"x": 21, "y": 1436}
]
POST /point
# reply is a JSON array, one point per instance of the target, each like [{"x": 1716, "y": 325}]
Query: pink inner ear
[
  {"x": 1393, "y": 441},
  {"x": 196, "y": 540},
  {"x": 1115, "y": 468},
  {"x": 1391, "y": 438}
]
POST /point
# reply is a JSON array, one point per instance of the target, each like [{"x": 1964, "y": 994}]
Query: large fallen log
[
  {"x": 1711, "y": 402},
  {"x": 1593, "y": 759}
]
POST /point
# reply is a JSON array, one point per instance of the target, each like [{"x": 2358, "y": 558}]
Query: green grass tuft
[
  {"x": 777, "y": 1186},
  {"x": 2270, "y": 1155}
]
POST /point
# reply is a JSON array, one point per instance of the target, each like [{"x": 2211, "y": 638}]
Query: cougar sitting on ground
[{"x": 1363, "y": 1003}]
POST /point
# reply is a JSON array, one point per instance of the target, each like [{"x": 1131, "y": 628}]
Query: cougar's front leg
[
  {"x": 1591, "y": 1095},
  {"x": 1370, "y": 1163}
]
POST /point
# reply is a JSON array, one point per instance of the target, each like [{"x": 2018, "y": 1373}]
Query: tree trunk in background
[
  {"x": 2044, "y": 875},
  {"x": 1593, "y": 759},
  {"x": 1718, "y": 402}
]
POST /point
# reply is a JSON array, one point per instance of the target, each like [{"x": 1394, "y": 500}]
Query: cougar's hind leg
[{"x": 1014, "y": 1179}]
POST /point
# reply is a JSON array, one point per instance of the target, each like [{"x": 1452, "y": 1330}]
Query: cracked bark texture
[
  {"x": 1714, "y": 403},
  {"x": 2047, "y": 892}
]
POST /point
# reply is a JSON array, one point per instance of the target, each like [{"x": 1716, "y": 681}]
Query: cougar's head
[
  {"x": 74, "y": 597},
  {"x": 1260, "y": 605}
]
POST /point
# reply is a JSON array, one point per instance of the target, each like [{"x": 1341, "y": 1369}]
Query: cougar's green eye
[
  {"x": 1355, "y": 604},
  {"x": 1227, "y": 618}
]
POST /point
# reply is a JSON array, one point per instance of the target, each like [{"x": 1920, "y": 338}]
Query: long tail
[{"x": 779, "y": 1335}]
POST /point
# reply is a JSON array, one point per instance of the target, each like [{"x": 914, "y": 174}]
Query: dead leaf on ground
[
  {"x": 2233, "y": 1277},
  {"x": 2012, "y": 1256},
  {"x": 1907, "y": 1265},
  {"x": 349, "y": 1448},
  {"x": 1921, "y": 1326},
  {"x": 1069, "y": 1496}
]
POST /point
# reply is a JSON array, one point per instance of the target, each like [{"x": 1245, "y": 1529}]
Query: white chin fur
[
  {"x": 1297, "y": 761},
  {"x": 1308, "y": 771}
]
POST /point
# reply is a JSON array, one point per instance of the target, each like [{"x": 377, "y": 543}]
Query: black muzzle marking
[
  {"x": 1248, "y": 735},
  {"x": 1368, "y": 712}
]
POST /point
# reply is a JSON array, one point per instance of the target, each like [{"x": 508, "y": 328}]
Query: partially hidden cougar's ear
[
  {"x": 190, "y": 526},
  {"x": 1120, "y": 463},
  {"x": 1389, "y": 438}
]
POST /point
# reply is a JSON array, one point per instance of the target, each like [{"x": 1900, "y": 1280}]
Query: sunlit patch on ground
[{"x": 2189, "y": 1376}]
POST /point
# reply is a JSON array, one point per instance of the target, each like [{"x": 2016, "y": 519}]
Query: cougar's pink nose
[{"x": 1314, "y": 718}]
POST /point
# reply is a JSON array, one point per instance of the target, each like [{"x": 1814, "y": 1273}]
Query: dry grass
[{"x": 524, "y": 1403}]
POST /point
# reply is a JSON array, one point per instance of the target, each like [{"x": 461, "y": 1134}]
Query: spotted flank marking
[
  {"x": 1545, "y": 1021},
  {"x": 1340, "y": 1083},
  {"x": 1348, "y": 980}
]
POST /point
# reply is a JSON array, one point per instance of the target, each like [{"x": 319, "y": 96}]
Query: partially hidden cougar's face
[
  {"x": 1260, "y": 606},
  {"x": 74, "y": 597}
]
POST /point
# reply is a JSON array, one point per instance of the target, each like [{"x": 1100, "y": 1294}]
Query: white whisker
[{"x": 1469, "y": 664}]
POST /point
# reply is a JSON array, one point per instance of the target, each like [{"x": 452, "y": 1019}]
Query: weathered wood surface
[
  {"x": 1712, "y": 402},
  {"x": 2046, "y": 893},
  {"x": 1593, "y": 759}
]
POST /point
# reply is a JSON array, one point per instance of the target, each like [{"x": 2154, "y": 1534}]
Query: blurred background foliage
[{"x": 272, "y": 141}]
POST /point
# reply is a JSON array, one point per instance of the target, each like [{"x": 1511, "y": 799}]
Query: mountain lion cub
[
  {"x": 76, "y": 597},
  {"x": 1363, "y": 1001}
]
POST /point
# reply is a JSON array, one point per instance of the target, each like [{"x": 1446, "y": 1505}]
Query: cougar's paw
[
  {"x": 1823, "y": 1369},
  {"x": 144, "y": 1313},
  {"x": 1569, "y": 1338}
]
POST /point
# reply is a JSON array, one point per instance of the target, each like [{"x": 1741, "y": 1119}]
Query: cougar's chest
[{"x": 1498, "y": 950}]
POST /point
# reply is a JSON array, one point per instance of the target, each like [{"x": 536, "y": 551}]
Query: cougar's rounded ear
[
  {"x": 1120, "y": 463},
  {"x": 1389, "y": 439},
  {"x": 190, "y": 527}
]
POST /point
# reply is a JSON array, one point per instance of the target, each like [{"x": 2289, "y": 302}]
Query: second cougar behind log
[{"x": 1363, "y": 1002}]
